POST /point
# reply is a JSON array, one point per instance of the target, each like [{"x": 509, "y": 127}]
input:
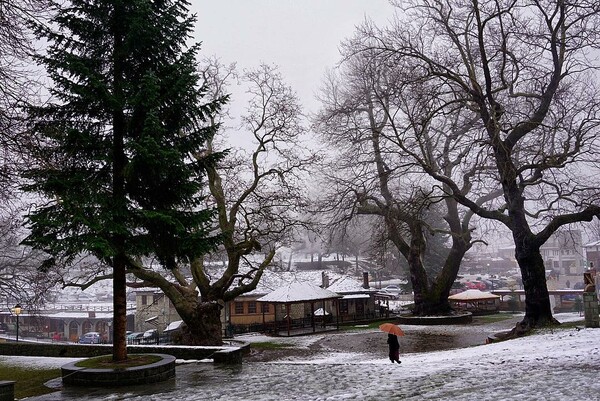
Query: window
[
  {"x": 251, "y": 307},
  {"x": 86, "y": 326},
  {"x": 144, "y": 300},
  {"x": 343, "y": 306},
  {"x": 264, "y": 307},
  {"x": 360, "y": 307},
  {"x": 239, "y": 308}
]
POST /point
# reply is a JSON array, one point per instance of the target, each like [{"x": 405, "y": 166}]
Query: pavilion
[
  {"x": 295, "y": 307},
  {"x": 476, "y": 301}
]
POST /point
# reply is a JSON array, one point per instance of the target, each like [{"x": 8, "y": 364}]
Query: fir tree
[{"x": 119, "y": 164}]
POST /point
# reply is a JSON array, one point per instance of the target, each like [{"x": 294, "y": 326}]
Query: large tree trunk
[
  {"x": 119, "y": 198},
  {"x": 201, "y": 315},
  {"x": 203, "y": 325},
  {"x": 431, "y": 298},
  {"x": 538, "y": 311},
  {"x": 425, "y": 302},
  {"x": 119, "y": 310},
  {"x": 440, "y": 289}
]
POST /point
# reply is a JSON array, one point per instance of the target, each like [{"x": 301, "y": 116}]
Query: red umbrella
[{"x": 391, "y": 328}]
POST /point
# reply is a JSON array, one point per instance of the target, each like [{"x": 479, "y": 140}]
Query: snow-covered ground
[{"x": 560, "y": 364}]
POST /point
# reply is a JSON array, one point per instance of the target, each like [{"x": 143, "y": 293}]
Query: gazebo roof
[
  {"x": 472, "y": 295},
  {"x": 298, "y": 292}
]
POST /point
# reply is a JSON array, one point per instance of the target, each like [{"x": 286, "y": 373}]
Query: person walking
[{"x": 394, "y": 348}]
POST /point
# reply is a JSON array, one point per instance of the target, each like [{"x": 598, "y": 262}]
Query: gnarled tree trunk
[
  {"x": 538, "y": 311},
  {"x": 202, "y": 324}
]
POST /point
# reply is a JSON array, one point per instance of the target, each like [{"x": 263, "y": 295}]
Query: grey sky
[{"x": 300, "y": 36}]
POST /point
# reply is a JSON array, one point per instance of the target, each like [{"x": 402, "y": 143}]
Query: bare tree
[
  {"x": 258, "y": 197},
  {"x": 367, "y": 115},
  {"x": 17, "y": 83},
  {"x": 528, "y": 71},
  {"x": 20, "y": 279},
  {"x": 354, "y": 239}
]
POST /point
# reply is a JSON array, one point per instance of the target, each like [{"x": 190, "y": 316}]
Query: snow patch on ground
[
  {"x": 558, "y": 364},
  {"x": 36, "y": 362}
]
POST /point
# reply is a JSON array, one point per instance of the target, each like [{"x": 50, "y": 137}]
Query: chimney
[
  {"x": 324, "y": 280},
  {"x": 365, "y": 280}
]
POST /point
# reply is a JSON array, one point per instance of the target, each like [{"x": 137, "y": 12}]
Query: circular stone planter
[
  {"x": 462, "y": 318},
  {"x": 156, "y": 372}
]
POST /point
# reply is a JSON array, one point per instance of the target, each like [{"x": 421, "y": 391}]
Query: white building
[{"x": 563, "y": 252}]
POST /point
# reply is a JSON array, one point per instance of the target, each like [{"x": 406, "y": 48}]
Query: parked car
[
  {"x": 93, "y": 337},
  {"x": 393, "y": 288},
  {"x": 475, "y": 285},
  {"x": 488, "y": 284},
  {"x": 391, "y": 294},
  {"x": 499, "y": 283},
  {"x": 457, "y": 287},
  {"x": 57, "y": 336},
  {"x": 135, "y": 337},
  {"x": 150, "y": 336}
]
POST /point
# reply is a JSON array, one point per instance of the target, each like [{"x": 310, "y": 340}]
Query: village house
[
  {"x": 592, "y": 254},
  {"x": 66, "y": 321},
  {"x": 357, "y": 301},
  {"x": 153, "y": 310}
]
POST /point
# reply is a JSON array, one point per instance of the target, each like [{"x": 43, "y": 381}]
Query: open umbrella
[{"x": 391, "y": 328}]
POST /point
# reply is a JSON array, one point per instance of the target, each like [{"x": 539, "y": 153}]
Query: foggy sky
[{"x": 300, "y": 36}]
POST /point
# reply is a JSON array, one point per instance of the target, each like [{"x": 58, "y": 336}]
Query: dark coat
[
  {"x": 393, "y": 342},
  {"x": 394, "y": 348}
]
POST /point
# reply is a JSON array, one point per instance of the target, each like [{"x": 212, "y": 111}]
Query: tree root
[{"x": 521, "y": 329}]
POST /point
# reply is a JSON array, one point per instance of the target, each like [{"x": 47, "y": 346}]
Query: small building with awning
[
  {"x": 296, "y": 304},
  {"x": 476, "y": 302},
  {"x": 359, "y": 300}
]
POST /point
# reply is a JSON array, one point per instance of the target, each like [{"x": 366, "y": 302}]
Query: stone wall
[
  {"x": 153, "y": 373},
  {"x": 218, "y": 354},
  {"x": 7, "y": 390},
  {"x": 590, "y": 308}
]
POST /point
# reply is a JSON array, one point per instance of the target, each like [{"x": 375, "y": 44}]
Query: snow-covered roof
[
  {"x": 146, "y": 289},
  {"x": 80, "y": 315},
  {"x": 346, "y": 284},
  {"x": 272, "y": 280},
  {"x": 356, "y": 296},
  {"x": 298, "y": 292},
  {"x": 595, "y": 243},
  {"x": 472, "y": 295},
  {"x": 174, "y": 325}
]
